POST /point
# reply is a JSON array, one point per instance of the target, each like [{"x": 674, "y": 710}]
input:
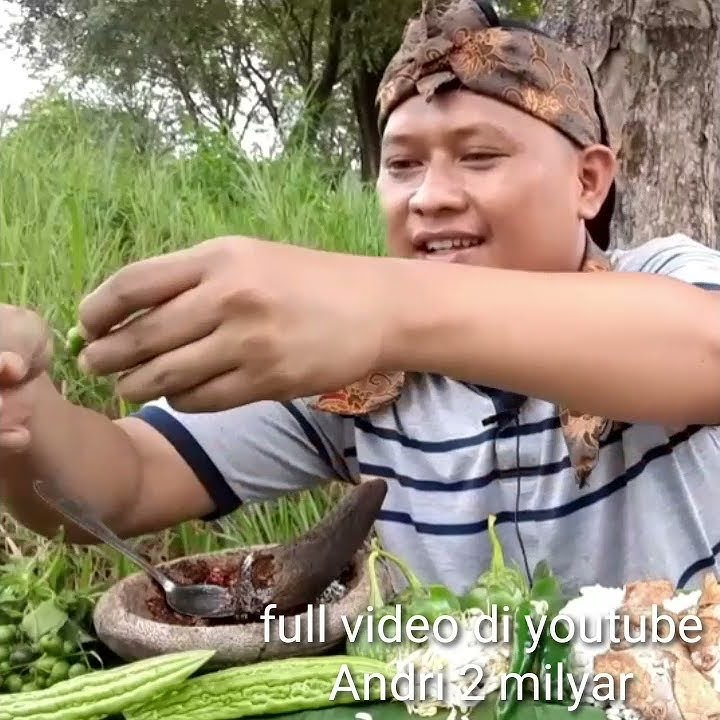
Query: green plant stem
[
  {"x": 376, "y": 599},
  {"x": 404, "y": 568},
  {"x": 498, "y": 557}
]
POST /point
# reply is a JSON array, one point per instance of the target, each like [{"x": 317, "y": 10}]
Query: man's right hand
[{"x": 26, "y": 350}]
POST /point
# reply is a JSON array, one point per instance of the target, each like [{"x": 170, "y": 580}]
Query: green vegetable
[
  {"x": 74, "y": 341},
  {"x": 555, "y": 653},
  {"x": 8, "y": 634},
  {"x": 552, "y": 651},
  {"x": 45, "y": 664},
  {"x": 51, "y": 645},
  {"x": 542, "y": 571},
  {"x": 105, "y": 692},
  {"x": 431, "y": 602},
  {"x": 266, "y": 688},
  {"x": 69, "y": 647},
  {"x": 46, "y": 605},
  {"x": 527, "y": 709},
  {"x": 59, "y": 671},
  {"x": 76, "y": 670},
  {"x": 21, "y": 655},
  {"x": 428, "y": 601},
  {"x": 13, "y": 683},
  {"x": 523, "y": 657},
  {"x": 500, "y": 586},
  {"x": 543, "y": 603},
  {"x": 376, "y": 648}
]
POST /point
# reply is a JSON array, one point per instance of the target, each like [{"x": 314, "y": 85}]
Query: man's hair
[
  {"x": 493, "y": 18},
  {"x": 522, "y": 25},
  {"x": 508, "y": 22}
]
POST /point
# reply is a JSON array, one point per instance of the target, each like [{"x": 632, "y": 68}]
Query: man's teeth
[{"x": 439, "y": 245}]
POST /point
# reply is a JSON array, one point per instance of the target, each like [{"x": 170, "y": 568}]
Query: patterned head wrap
[{"x": 460, "y": 43}]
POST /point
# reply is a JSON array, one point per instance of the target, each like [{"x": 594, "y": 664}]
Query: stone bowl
[{"x": 124, "y": 623}]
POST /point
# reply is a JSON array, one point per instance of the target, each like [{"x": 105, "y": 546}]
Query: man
[{"x": 600, "y": 451}]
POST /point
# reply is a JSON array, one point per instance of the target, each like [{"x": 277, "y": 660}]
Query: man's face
[{"x": 468, "y": 179}]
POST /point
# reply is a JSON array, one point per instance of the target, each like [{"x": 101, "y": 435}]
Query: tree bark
[
  {"x": 318, "y": 96},
  {"x": 658, "y": 66},
  {"x": 365, "y": 85}
]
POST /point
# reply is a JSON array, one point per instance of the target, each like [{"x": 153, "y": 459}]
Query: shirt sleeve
[
  {"x": 259, "y": 451},
  {"x": 676, "y": 256}
]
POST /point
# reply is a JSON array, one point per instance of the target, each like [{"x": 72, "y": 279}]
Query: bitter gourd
[
  {"x": 104, "y": 692},
  {"x": 268, "y": 688}
]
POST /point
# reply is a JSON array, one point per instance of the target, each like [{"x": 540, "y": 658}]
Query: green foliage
[
  {"x": 46, "y": 602},
  {"x": 527, "y": 10},
  {"x": 77, "y": 200},
  {"x": 293, "y": 65}
]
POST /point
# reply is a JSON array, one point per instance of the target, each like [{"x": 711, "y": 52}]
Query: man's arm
[
  {"x": 143, "y": 474},
  {"x": 633, "y": 346},
  {"x": 114, "y": 467},
  {"x": 289, "y": 321}
]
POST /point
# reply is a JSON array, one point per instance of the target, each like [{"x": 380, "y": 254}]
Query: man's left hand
[{"x": 236, "y": 320}]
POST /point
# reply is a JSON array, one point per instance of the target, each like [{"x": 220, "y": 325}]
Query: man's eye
[
  {"x": 401, "y": 164},
  {"x": 481, "y": 157}
]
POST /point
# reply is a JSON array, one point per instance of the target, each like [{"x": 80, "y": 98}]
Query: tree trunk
[
  {"x": 364, "y": 89},
  {"x": 658, "y": 66},
  {"x": 319, "y": 94}
]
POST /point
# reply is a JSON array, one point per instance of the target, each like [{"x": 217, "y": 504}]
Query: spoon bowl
[
  {"x": 205, "y": 601},
  {"x": 202, "y": 600}
]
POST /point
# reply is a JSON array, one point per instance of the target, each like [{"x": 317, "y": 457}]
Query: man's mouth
[{"x": 438, "y": 246}]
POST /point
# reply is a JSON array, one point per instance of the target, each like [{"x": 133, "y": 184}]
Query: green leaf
[
  {"x": 45, "y": 618},
  {"x": 542, "y": 570},
  {"x": 73, "y": 631},
  {"x": 546, "y": 711},
  {"x": 525, "y": 710}
]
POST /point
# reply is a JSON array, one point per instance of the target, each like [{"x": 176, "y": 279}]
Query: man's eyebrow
[{"x": 480, "y": 130}]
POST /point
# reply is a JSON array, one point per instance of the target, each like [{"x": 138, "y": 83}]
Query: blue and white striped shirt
[{"x": 649, "y": 508}]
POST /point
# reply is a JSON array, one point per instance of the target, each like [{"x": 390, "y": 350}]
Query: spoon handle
[{"x": 80, "y": 515}]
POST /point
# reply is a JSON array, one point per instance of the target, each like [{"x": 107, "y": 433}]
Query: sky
[{"x": 16, "y": 86}]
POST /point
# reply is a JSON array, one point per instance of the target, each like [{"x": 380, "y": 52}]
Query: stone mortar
[{"x": 123, "y": 623}]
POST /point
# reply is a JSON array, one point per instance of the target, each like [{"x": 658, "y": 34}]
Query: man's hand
[
  {"x": 25, "y": 353},
  {"x": 236, "y": 320}
]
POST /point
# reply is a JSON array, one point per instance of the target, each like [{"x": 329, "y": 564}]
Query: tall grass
[{"x": 76, "y": 203}]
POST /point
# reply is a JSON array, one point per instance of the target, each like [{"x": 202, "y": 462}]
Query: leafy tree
[{"x": 308, "y": 68}]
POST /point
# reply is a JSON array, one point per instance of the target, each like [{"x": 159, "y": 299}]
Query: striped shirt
[{"x": 649, "y": 508}]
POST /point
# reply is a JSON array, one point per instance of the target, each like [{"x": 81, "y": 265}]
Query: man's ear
[{"x": 597, "y": 166}]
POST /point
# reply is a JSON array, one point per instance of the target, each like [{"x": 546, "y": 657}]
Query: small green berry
[{"x": 75, "y": 341}]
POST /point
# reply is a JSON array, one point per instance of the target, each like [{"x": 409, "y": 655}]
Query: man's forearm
[
  {"x": 632, "y": 347},
  {"x": 87, "y": 454}
]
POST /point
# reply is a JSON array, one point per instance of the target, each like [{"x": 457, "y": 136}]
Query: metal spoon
[{"x": 203, "y": 601}]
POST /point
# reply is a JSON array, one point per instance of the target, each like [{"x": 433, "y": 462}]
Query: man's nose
[{"x": 440, "y": 190}]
